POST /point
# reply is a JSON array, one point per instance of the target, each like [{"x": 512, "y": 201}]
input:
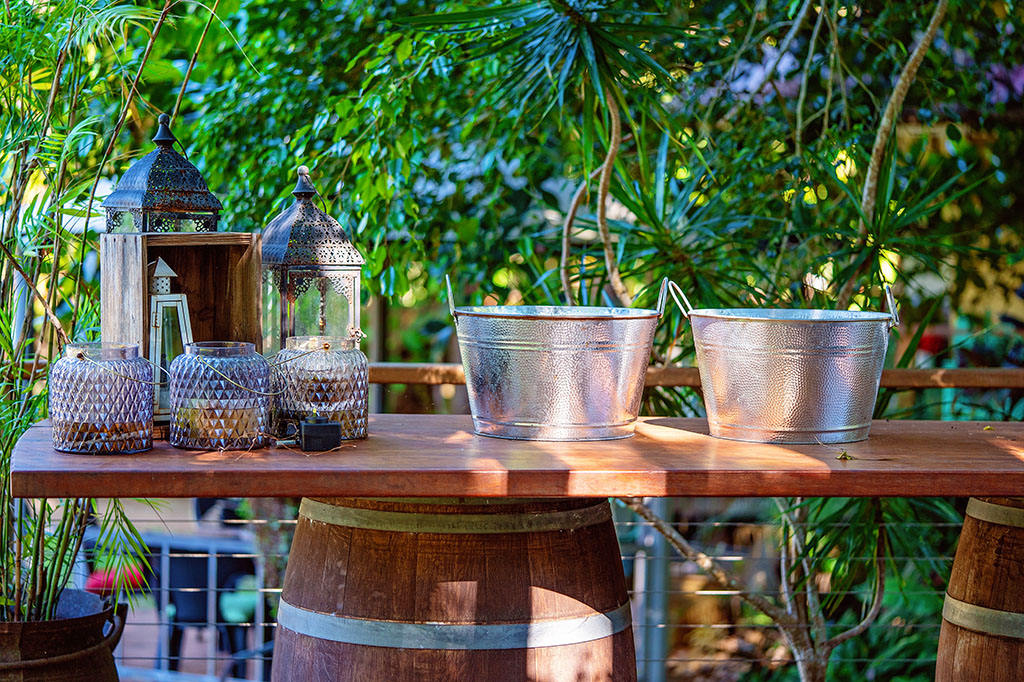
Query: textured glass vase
[
  {"x": 322, "y": 376},
  {"x": 219, "y": 397},
  {"x": 101, "y": 399}
]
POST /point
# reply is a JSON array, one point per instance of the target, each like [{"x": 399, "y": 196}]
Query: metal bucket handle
[
  {"x": 685, "y": 307},
  {"x": 451, "y": 297},
  {"x": 666, "y": 286},
  {"x": 894, "y": 313}
]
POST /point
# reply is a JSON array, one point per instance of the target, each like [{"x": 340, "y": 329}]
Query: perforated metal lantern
[
  {"x": 311, "y": 271},
  {"x": 162, "y": 192}
]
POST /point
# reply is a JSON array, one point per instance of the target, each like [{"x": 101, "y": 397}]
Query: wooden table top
[{"x": 439, "y": 455}]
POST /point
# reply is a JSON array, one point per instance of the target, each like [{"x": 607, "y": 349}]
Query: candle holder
[
  {"x": 219, "y": 397},
  {"x": 101, "y": 399},
  {"x": 311, "y": 270},
  {"x": 322, "y": 376}
]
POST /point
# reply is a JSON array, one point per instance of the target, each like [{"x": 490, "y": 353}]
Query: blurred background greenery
[{"x": 455, "y": 146}]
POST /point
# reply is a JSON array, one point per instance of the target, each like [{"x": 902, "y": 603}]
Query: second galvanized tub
[
  {"x": 790, "y": 376},
  {"x": 555, "y": 373}
]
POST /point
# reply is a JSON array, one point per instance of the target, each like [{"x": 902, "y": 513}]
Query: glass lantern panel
[
  {"x": 172, "y": 222},
  {"x": 169, "y": 345},
  {"x": 309, "y": 309},
  {"x": 124, "y": 223},
  {"x": 271, "y": 317}
]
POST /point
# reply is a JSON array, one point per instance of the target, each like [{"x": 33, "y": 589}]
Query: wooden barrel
[
  {"x": 451, "y": 589},
  {"x": 982, "y": 636}
]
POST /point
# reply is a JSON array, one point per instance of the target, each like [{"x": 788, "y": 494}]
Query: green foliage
[
  {"x": 449, "y": 138},
  {"x": 62, "y": 74}
]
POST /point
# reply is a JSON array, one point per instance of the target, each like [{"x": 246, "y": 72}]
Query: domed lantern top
[
  {"x": 304, "y": 246},
  {"x": 162, "y": 192}
]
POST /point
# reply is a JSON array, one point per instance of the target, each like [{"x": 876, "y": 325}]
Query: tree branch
[
  {"x": 783, "y": 49},
  {"x": 570, "y": 218},
  {"x": 876, "y": 603},
  {"x": 35, "y": 292},
  {"x": 799, "y": 131},
  {"x": 607, "y": 168},
  {"x": 869, "y": 195},
  {"x": 707, "y": 564}
]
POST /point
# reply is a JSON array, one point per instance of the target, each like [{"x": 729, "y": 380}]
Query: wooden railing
[
  {"x": 437, "y": 373},
  {"x": 451, "y": 373}
]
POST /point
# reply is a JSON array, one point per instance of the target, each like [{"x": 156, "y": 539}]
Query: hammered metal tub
[
  {"x": 790, "y": 376},
  {"x": 555, "y": 373}
]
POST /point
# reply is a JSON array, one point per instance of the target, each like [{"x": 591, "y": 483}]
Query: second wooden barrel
[
  {"x": 445, "y": 590},
  {"x": 982, "y": 636}
]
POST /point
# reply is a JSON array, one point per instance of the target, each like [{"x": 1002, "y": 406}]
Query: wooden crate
[{"x": 218, "y": 271}]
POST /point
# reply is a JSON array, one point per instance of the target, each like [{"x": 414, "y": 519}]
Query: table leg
[
  {"x": 982, "y": 636},
  {"x": 452, "y": 589}
]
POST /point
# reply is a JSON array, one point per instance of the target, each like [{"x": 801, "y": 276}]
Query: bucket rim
[
  {"x": 792, "y": 315},
  {"x": 556, "y": 312}
]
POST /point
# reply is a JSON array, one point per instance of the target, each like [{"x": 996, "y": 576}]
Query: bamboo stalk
[
  {"x": 18, "y": 553},
  {"x": 168, "y": 4},
  {"x": 192, "y": 62}
]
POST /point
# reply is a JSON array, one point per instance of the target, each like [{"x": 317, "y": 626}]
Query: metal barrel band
[
  {"x": 463, "y": 524},
  {"x": 981, "y": 619},
  {"x": 995, "y": 513},
  {"x": 453, "y": 636}
]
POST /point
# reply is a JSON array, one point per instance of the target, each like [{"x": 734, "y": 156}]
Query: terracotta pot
[{"x": 75, "y": 647}]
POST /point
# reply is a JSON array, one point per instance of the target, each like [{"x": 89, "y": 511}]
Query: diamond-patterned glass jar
[
  {"x": 101, "y": 399},
  {"x": 322, "y": 376},
  {"x": 220, "y": 396}
]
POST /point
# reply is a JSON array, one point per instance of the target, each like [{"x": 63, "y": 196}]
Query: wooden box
[{"x": 218, "y": 271}]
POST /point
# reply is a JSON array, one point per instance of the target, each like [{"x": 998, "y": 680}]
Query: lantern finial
[
  {"x": 304, "y": 187},
  {"x": 164, "y": 137}
]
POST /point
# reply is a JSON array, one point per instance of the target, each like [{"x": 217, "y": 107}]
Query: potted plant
[
  {"x": 60, "y": 53},
  {"x": 48, "y": 630}
]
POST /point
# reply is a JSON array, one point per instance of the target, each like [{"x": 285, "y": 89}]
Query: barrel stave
[
  {"x": 483, "y": 581},
  {"x": 988, "y": 572}
]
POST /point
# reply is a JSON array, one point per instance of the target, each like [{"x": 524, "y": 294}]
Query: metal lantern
[
  {"x": 170, "y": 331},
  {"x": 162, "y": 192},
  {"x": 310, "y": 267}
]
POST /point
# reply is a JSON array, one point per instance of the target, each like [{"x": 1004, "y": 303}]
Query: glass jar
[
  {"x": 101, "y": 399},
  {"x": 322, "y": 376},
  {"x": 220, "y": 397}
]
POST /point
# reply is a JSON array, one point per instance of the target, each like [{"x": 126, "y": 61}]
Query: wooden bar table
[{"x": 504, "y": 566}]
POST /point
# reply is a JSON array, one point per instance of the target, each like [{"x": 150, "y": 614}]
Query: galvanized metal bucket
[
  {"x": 789, "y": 376},
  {"x": 555, "y": 373}
]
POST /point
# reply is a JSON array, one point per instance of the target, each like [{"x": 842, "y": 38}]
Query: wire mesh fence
[{"x": 207, "y": 609}]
